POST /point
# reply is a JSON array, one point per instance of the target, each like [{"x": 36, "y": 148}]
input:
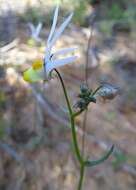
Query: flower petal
[
  {"x": 38, "y": 29},
  {"x": 53, "y": 24},
  {"x": 35, "y": 31},
  {"x": 32, "y": 75},
  {"x": 47, "y": 55},
  {"x": 32, "y": 28},
  {"x": 64, "y": 51},
  {"x": 60, "y": 30},
  {"x": 58, "y": 63}
]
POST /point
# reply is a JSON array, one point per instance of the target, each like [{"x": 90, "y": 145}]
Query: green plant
[
  {"x": 43, "y": 69},
  {"x": 115, "y": 12},
  {"x": 80, "y": 11},
  {"x": 3, "y": 126},
  {"x": 2, "y": 99}
]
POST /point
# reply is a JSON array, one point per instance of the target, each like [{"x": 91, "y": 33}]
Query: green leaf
[{"x": 90, "y": 163}]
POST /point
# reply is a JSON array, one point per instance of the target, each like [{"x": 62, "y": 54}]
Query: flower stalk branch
[
  {"x": 74, "y": 136},
  {"x": 72, "y": 120},
  {"x": 72, "y": 115}
]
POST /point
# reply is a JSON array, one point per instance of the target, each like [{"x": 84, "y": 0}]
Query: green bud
[{"x": 83, "y": 88}]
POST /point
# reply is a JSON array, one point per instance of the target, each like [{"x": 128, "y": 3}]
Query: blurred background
[{"x": 36, "y": 152}]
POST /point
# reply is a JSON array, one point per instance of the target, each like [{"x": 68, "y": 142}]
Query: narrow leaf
[{"x": 102, "y": 159}]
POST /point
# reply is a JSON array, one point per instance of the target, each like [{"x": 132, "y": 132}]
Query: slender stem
[
  {"x": 82, "y": 170},
  {"x": 78, "y": 154},
  {"x": 75, "y": 114},
  {"x": 65, "y": 93},
  {"x": 72, "y": 121},
  {"x": 84, "y": 125},
  {"x": 87, "y": 55},
  {"x": 96, "y": 90},
  {"x": 74, "y": 137},
  {"x": 84, "y": 130}
]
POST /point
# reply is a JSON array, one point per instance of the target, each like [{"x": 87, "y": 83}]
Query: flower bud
[
  {"x": 107, "y": 92},
  {"x": 83, "y": 88}
]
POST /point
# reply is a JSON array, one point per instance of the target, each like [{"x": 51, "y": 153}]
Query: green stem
[
  {"x": 96, "y": 90},
  {"x": 77, "y": 113},
  {"x": 65, "y": 93},
  {"x": 74, "y": 137},
  {"x": 72, "y": 121},
  {"x": 78, "y": 154},
  {"x": 82, "y": 170}
]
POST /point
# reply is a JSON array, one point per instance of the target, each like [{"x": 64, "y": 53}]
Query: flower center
[{"x": 37, "y": 64}]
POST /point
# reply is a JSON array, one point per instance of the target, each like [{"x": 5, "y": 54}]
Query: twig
[
  {"x": 87, "y": 55},
  {"x": 84, "y": 125},
  {"x": 9, "y": 46},
  {"x": 11, "y": 151}
]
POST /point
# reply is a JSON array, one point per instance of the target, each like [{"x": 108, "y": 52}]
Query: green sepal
[
  {"x": 92, "y": 99},
  {"x": 90, "y": 163}
]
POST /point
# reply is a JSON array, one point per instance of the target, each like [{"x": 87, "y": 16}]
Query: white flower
[
  {"x": 41, "y": 69},
  {"x": 35, "y": 31}
]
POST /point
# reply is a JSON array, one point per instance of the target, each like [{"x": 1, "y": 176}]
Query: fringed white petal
[
  {"x": 58, "y": 63},
  {"x": 60, "y": 30},
  {"x": 47, "y": 55},
  {"x": 38, "y": 29},
  {"x": 64, "y": 51},
  {"x": 35, "y": 31},
  {"x": 53, "y": 24},
  {"x": 32, "y": 28}
]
